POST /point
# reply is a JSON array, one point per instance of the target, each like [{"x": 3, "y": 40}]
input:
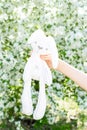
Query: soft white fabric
[{"x": 37, "y": 69}]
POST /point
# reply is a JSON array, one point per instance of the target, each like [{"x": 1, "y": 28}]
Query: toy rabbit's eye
[{"x": 40, "y": 47}]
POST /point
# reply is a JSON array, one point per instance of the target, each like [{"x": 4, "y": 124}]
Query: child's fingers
[
  {"x": 45, "y": 57},
  {"x": 48, "y": 59}
]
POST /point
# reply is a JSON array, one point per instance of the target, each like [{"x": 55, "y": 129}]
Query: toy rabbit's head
[
  {"x": 38, "y": 42},
  {"x": 42, "y": 45}
]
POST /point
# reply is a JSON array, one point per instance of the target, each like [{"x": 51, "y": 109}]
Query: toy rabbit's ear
[
  {"x": 53, "y": 50},
  {"x": 38, "y": 35}
]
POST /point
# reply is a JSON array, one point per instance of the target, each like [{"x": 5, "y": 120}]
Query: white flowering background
[{"x": 66, "y": 21}]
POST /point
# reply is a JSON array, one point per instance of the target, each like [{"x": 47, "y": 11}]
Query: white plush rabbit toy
[{"x": 37, "y": 69}]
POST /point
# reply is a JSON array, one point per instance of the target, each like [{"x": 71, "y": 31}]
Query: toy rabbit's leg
[
  {"x": 41, "y": 105},
  {"x": 26, "y": 98}
]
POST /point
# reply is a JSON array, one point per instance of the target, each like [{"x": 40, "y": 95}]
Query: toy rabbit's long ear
[
  {"x": 53, "y": 50},
  {"x": 36, "y": 36},
  {"x": 26, "y": 99},
  {"x": 41, "y": 105}
]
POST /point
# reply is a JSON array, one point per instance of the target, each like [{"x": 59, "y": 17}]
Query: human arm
[{"x": 74, "y": 74}]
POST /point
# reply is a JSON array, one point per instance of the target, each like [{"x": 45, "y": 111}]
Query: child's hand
[{"x": 48, "y": 59}]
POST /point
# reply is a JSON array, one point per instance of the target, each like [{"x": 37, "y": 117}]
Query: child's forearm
[{"x": 77, "y": 76}]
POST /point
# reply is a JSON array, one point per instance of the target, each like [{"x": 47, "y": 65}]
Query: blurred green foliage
[{"x": 66, "y": 21}]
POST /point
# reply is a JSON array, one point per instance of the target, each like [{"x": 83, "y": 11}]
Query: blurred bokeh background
[{"x": 66, "y": 21}]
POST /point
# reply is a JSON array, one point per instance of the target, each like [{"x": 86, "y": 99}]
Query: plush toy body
[{"x": 37, "y": 69}]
